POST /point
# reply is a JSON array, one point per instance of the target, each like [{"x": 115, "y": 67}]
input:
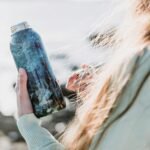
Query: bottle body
[{"x": 29, "y": 53}]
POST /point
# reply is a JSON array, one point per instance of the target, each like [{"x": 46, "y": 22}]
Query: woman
[{"x": 115, "y": 114}]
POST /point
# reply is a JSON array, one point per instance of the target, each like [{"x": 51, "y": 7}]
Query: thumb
[
  {"x": 22, "y": 80},
  {"x": 23, "y": 100}
]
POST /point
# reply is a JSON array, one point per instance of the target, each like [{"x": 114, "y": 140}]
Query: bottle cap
[{"x": 19, "y": 27}]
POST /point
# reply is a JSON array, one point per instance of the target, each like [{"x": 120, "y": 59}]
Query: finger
[
  {"x": 71, "y": 86},
  {"x": 73, "y": 77},
  {"x": 86, "y": 76},
  {"x": 72, "y": 80},
  {"x": 84, "y": 66},
  {"x": 83, "y": 87},
  {"x": 74, "y": 86}
]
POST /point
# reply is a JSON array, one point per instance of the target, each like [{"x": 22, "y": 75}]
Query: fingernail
[{"x": 21, "y": 71}]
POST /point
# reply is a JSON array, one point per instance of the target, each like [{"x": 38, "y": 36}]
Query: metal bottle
[{"x": 29, "y": 53}]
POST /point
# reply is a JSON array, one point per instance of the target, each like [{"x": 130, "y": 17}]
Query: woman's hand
[
  {"x": 23, "y": 101},
  {"x": 79, "y": 80}
]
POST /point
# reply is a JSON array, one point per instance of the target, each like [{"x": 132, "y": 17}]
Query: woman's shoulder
[
  {"x": 130, "y": 66},
  {"x": 144, "y": 56},
  {"x": 128, "y": 109}
]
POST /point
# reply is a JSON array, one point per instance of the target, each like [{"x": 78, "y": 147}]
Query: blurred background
[{"x": 67, "y": 28}]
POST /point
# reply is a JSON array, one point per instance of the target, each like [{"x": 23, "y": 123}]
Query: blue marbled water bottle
[{"x": 29, "y": 53}]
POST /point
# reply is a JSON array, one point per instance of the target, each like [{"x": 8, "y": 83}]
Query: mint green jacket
[{"x": 128, "y": 126}]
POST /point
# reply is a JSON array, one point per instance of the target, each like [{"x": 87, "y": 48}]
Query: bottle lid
[{"x": 19, "y": 27}]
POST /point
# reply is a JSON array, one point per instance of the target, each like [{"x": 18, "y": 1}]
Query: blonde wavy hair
[{"x": 133, "y": 35}]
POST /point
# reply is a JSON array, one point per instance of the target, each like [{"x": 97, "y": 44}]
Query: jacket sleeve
[{"x": 37, "y": 137}]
